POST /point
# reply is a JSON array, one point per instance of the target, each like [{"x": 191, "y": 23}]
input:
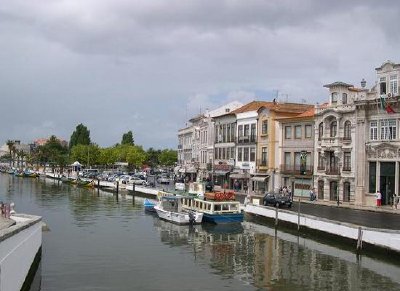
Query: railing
[
  {"x": 246, "y": 139},
  {"x": 346, "y": 169},
  {"x": 295, "y": 169},
  {"x": 332, "y": 171}
]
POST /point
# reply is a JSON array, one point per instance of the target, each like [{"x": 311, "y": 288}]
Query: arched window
[
  {"x": 334, "y": 97},
  {"x": 344, "y": 98},
  {"x": 333, "y": 128},
  {"x": 347, "y": 130},
  {"x": 346, "y": 191},
  {"x": 320, "y": 131}
]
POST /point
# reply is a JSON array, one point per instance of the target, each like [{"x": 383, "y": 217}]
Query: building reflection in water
[{"x": 264, "y": 258}]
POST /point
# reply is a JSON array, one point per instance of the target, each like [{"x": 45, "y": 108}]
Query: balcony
[
  {"x": 262, "y": 163},
  {"x": 246, "y": 139},
  {"x": 295, "y": 169},
  {"x": 333, "y": 170},
  {"x": 320, "y": 168}
]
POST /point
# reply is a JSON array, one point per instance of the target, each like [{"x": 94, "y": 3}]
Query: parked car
[
  {"x": 163, "y": 179},
  {"x": 278, "y": 200},
  {"x": 137, "y": 181}
]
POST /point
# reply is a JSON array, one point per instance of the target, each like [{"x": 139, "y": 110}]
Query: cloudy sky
[{"x": 148, "y": 66}]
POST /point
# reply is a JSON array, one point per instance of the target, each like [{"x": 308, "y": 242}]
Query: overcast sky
[{"x": 148, "y": 66}]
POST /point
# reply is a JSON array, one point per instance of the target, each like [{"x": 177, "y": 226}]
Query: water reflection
[{"x": 99, "y": 242}]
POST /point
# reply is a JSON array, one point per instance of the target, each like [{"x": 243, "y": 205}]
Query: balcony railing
[
  {"x": 262, "y": 163},
  {"x": 246, "y": 139},
  {"x": 332, "y": 170},
  {"x": 295, "y": 169}
]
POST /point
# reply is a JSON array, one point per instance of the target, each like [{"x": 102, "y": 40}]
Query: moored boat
[
  {"x": 215, "y": 211},
  {"x": 149, "y": 205},
  {"x": 170, "y": 208}
]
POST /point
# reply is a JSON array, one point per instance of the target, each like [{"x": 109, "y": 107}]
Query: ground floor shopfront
[{"x": 384, "y": 176}]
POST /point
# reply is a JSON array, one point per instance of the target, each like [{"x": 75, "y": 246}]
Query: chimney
[{"x": 363, "y": 83}]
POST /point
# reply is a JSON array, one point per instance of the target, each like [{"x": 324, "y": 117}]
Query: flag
[{"x": 386, "y": 106}]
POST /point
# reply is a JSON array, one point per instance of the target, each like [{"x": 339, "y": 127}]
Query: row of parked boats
[
  {"x": 20, "y": 172},
  {"x": 182, "y": 209}
]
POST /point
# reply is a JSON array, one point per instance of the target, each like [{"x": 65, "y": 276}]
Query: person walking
[
  {"x": 395, "y": 200},
  {"x": 378, "y": 196}
]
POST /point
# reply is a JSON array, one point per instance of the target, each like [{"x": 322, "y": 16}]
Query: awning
[
  {"x": 220, "y": 173},
  {"x": 239, "y": 176},
  {"x": 259, "y": 178}
]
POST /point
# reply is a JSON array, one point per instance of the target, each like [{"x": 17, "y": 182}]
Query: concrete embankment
[{"x": 382, "y": 238}]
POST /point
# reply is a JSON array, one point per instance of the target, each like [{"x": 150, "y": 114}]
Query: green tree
[
  {"x": 55, "y": 153},
  {"x": 153, "y": 157},
  {"x": 81, "y": 135},
  {"x": 135, "y": 156},
  {"x": 168, "y": 157},
  {"x": 11, "y": 148},
  {"x": 108, "y": 156},
  {"x": 127, "y": 138},
  {"x": 85, "y": 154}
]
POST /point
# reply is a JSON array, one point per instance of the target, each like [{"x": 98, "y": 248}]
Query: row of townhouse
[{"x": 347, "y": 148}]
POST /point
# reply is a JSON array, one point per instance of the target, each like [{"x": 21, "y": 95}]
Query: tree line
[{"x": 80, "y": 148}]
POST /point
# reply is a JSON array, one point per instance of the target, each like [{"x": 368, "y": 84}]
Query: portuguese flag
[{"x": 386, "y": 106}]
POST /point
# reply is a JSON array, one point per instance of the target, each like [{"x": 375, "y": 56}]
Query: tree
[
  {"x": 153, "y": 157},
  {"x": 54, "y": 152},
  {"x": 108, "y": 156},
  {"x": 81, "y": 135},
  {"x": 127, "y": 138},
  {"x": 168, "y": 157},
  {"x": 85, "y": 154},
  {"x": 11, "y": 148},
  {"x": 135, "y": 156}
]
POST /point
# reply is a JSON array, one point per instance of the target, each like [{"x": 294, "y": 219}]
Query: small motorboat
[
  {"x": 170, "y": 209},
  {"x": 149, "y": 205}
]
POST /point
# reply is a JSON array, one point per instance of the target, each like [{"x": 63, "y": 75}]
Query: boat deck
[{"x": 6, "y": 223}]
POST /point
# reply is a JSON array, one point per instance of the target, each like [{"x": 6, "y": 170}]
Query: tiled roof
[
  {"x": 304, "y": 115},
  {"x": 334, "y": 84},
  {"x": 275, "y": 106}
]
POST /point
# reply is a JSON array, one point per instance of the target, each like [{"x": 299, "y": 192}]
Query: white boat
[{"x": 170, "y": 208}]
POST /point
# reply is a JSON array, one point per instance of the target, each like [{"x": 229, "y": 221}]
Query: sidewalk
[{"x": 384, "y": 208}]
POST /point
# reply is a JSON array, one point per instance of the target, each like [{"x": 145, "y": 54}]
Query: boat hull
[
  {"x": 223, "y": 218},
  {"x": 149, "y": 206},
  {"x": 181, "y": 218}
]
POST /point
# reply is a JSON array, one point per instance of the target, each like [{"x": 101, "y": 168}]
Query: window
[
  {"x": 245, "y": 154},
  {"x": 288, "y": 161},
  {"x": 297, "y": 161},
  {"x": 240, "y": 130},
  {"x": 252, "y": 154},
  {"x": 233, "y": 132},
  {"x": 264, "y": 129},
  {"x": 253, "y": 132},
  {"x": 216, "y": 154},
  {"x": 382, "y": 85},
  {"x": 297, "y": 131},
  {"x": 223, "y": 156},
  {"x": 373, "y": 130},
  {"x": 344, "y": 98},
  {"x": 308, "y": 131},
  {"x": 320, "y": 131},
  {"x": 240, "y": 152},
  {"x": 246, "y": 130},
  {"x": 321, "y": 161},
  {"x": 288, "y": 132},
  {"x": 372, "y": 177},
  {"x": 228, "y": 133},
  {"x": 388, "y": 129},
  {"x": 264, "y": 156},
  {"x": 232, "y": 153},
  {"x": 346, "y": 161},
  {"x": 393, "y": 84},
  {"x": 333, "y": 128},
  {"x": 347, "y": 130},
  {"x": 334, "y": 97}
]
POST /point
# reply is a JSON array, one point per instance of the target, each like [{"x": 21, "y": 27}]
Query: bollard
[
  {"x": 98, "y": 187},
  {"x": 276, "y": 215},
  {"x": 133, "y": 193},
  {"x": 117, "y": 187},
  {"x": 298, "y": 216},
  {"x": 359, "y": 239}
]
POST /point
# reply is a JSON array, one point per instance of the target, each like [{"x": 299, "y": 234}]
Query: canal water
[{"x": 98, "y": 243}]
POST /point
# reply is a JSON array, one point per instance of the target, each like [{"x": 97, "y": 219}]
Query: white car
[
  {"x": 163, "y": 180},
  {"x": 137, "y": 181}
]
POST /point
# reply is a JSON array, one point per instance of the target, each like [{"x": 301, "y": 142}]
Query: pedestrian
[
  {"x": 395, "y": 200},
  {"x": 312, "y": 194},
  {"x": 378, "y": 196}
]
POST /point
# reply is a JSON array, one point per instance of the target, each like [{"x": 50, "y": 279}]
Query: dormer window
[
  {"x": 227, "y": 110},
  {"x": 344, "y": 98},
  {"x": 382, "y": 85},
  {"x": 393, "y": 84},
  {"x": 334, "y": 97}
]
